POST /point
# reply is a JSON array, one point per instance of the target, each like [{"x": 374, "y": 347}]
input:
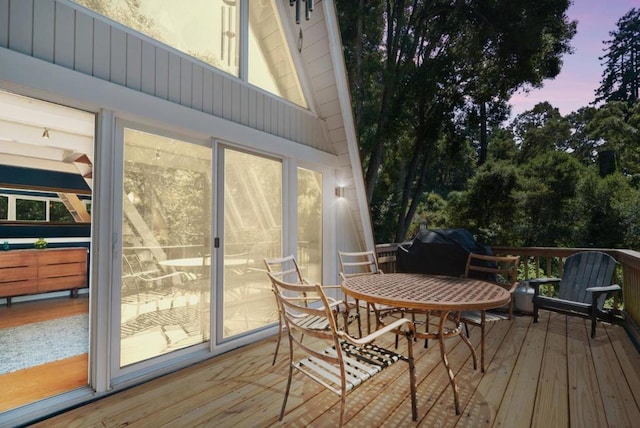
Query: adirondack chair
[{"x": 586, "y": 280}]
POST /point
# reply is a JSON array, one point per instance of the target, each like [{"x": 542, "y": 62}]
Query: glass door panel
[
  {"x": 252, "y": 231},
  {"x": 310, "y": 224},
  {"x": 166, "y": 224}
]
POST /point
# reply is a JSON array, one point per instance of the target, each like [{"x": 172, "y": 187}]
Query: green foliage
[
  {"x": 609, "y": 210},
  {"x": 621, "y": 81},
  {"x": 4, "y": 208},
  {"x": 58, "y": 212},
  {"x": 430, "y": 81},
  {"x": 31, "y": 210},
  {"x": 415, "y": 67},
  {"x": 614, "y": 127},
  {"x": 550, "y": 183},
  {"x": 431, "y": 212},
  {"x": 488, "y": 206}
]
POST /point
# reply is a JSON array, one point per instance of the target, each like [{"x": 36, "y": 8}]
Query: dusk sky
[{"x": 582, "y": 71}]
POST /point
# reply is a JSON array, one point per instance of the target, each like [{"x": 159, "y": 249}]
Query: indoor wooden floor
[
  {"x": 35, "y": 383},
  {"x": 549, "y": 374}
]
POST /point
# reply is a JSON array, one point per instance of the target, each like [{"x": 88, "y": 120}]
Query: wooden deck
[{"x": 548, "y": 374}]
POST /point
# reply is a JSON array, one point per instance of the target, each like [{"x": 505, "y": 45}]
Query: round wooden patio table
[{"x": 443, "y": 294}]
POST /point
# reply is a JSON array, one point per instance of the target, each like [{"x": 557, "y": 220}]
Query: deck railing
[{"x": 538, "y": 262}]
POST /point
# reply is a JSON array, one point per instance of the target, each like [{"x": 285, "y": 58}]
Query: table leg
[
  {"x": 465, "y": 339},
  {"x": 445, "y": 360}
]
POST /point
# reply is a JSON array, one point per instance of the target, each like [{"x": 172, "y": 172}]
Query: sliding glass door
[
  {"x": 252, "y": 230},
  {"x": 309, "y": 209},
  {"x": 166, "y": 246}
]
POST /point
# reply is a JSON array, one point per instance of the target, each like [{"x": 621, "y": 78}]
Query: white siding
[
  {"x": 43, "y": 35},
  {"x": 60, "y": 32}
]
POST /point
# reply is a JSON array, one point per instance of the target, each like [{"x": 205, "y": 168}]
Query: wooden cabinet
[{"x": 40, "y": 271}]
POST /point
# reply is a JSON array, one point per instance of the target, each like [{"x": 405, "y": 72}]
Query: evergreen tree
[{"x": 621, "y": 78}]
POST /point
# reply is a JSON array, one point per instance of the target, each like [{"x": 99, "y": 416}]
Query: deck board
[
  {"x": 551, "y": 402},
  {"x": 585, "y": 403},
  {"x": 516, "y": 409},
  {"x": 550, "y": 373},
  {"x": 504, "y": 341}
]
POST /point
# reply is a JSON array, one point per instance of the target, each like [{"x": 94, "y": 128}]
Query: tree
[
  {"x": 514, "y": 44},
  {"x": 413, "y": 71},
  {"x": 606, "y": 204},
  {"x": 540, "y": 130},
  {"x": 490, "y": 205},
  {"x": 621, "y": 77},
  {"x": 549, "y": 200},
  {"x": 616, "y": 128}
]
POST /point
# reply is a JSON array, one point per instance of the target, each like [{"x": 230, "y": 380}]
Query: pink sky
[{"x": 581, "y": 71}]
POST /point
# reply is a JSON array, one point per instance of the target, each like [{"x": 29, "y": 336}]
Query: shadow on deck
[{"x": 547, "y": 374}]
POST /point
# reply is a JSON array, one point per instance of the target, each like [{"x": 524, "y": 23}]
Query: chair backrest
[
  {"x": 284, "y": 269},
  {"x": 358, "y": 263},
  {"x": 303, "y": 319},
  {"x": 131, "y": 264},
  {"x": 502, "y": 270},
  {"x": 583, "y": 270}
]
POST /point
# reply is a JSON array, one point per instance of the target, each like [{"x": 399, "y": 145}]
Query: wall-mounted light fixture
[
  {"x": 340, "y": 192},
  {"x": 45, "y": 134}
]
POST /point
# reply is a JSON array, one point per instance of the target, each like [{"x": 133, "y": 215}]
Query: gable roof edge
[{"x": 344, "y": 96}]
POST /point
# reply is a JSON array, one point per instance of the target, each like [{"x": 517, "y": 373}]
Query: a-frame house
[{"x": 185, "y": 142}]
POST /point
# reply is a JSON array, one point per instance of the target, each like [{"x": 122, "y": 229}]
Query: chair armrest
[
  {"x": 612, "y": 287},
  {"x": 148, "y": 278},
  {"x": 376, "y": 334},
  {"x": 335, "y": 287},
  {"x": 535, "y": 283},
  {"x": 334, "y": 303},
  {"x": 596, "y": 292}
]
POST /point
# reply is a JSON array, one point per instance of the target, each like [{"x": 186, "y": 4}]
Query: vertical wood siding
[{"x": 58, "y": 32}]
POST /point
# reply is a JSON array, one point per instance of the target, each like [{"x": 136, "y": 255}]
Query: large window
[
  {"x": 270, "y": 64},
  {"x": 4, "y": 207},
  {"x": 166, "y": 249},
  {"x": 204, "y": 29},
  {"x": 25, "y": 205},
  {"x": 209, "y": 30}
]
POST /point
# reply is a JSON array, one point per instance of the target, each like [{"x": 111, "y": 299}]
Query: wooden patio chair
[
  {"x": 363, "y": 263},
  {"x": 150, "y": 280},
  {"x": 500, "y": 270},
  {"x": 330, "y": 356},
  {"x": 287, "y": 269},
  {"x": 366, "y": 263},
  {"x": 587, "y": 278}
]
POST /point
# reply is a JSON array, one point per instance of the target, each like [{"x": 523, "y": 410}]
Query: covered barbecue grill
[{"x": 439, "y": 252}]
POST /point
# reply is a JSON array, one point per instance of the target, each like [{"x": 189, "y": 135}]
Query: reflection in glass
[
  {"x": 31, "y": 210},
  {"x": 4, "y": 208},
  {"x": 166, "y": 246},
  {"x": 310, "y": 224},
  {"x": 252, "y": 231},
  {"x": 270, "y": 64},
  {"x": 205, "y": 29}
]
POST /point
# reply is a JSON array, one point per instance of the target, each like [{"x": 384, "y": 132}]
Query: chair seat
[
  {"x": 563, "y": 305},
  {"x": 476, "y": 316},
  {"x": 361, "y": 363}
]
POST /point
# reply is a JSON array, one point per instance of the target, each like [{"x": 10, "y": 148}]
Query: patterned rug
[{"x": 42, "y": 342}]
